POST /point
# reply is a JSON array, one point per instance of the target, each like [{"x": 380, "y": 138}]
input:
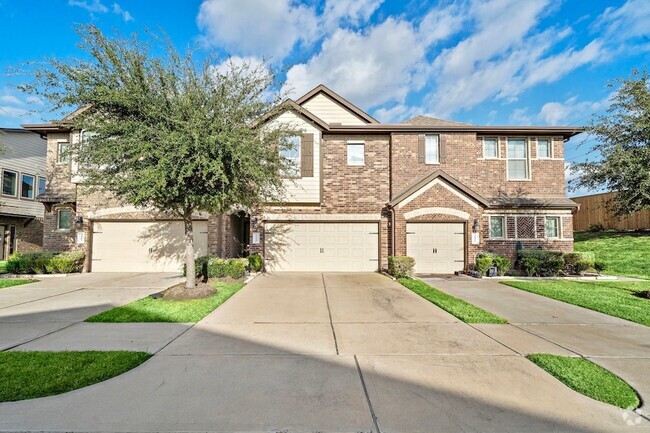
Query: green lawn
[
  {"x": 6, "y": 282},
  {"x": 616, "y": 298},
  {"x": 161, "y": 310},
  {"x": 26, "y": 375},
  {"x": 588, "y": 379},
  {"x": 463, "y": 310},
  {"x": 623, "y": 253}
]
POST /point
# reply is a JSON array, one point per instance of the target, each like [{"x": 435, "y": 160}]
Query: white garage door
[
  {"x": 438, "y": 248},
  {"x": 144, "y": 246},
  {"x": 345, "y": 247}
]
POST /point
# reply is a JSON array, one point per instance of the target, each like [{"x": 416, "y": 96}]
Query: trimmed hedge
[
  {"x": 216, "y": 267},
  {"x": 485, "y": 260},
  {"x": 45, "y": 262},
  {"x": 545, "y": 263},
  {"x": 255, "y": 262},
  {"x": 400, "y": 266}
]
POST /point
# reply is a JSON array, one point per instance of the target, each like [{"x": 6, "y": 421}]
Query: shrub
[
  {"x": 400, "y": 266},
  {"x": 530, "y": 265},
  {"x": 599, "y": 266},
  {"x": 503, "y": 264},
  {"x": 580, "y": 266},
  {"x": 44, "y": 262},
  {"x": 220, "y": 268},
  {"x": 486, "y": 254},
  {"x": 549, "y": 263},
  {"x": 596, "y": 228},
  {"x": 576, "y": 256},
  {"x": 255, "y": 263},
  {"x": 483, "y": 264}
]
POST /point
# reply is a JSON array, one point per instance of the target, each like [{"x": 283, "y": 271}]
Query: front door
[{"x": 438, "y": 248}]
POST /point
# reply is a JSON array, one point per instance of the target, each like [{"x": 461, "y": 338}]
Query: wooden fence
[{"x": 593, "y": 210}]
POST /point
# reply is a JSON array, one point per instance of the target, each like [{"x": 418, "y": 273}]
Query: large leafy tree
[
  {"x": 169, "y": 132},
  {"x": 623, "y": 141}
]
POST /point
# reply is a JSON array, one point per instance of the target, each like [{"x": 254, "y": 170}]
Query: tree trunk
[{"x": 190, "y": 282}]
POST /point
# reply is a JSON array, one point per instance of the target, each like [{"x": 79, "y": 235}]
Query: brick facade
[{"x": 28, "y": 235}]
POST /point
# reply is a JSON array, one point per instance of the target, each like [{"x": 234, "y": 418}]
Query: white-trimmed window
[
  {"x": 544, "y": 148},
  {"x": 42, "y": 183},
  {"x": 497, "y": 227},
  {"x": 431, "y": 149},
  {"x": 9, "y": 183},
  {"x": 27, "y": 185},
  {"x": 553, "y": 227},
  {"x": 290, "y": 151},
  {"x": 63, "y": 152},
  {"x": 490, "y": 147},
  {"x": 518, "y": 164},
  {"x": 356, "y": 153},
  {"x": 64, "y": 219}
]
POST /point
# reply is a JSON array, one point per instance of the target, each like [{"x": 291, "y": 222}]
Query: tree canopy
[
  {"x": 623, "y": 141},
  {"x": 168, "y": 132}
]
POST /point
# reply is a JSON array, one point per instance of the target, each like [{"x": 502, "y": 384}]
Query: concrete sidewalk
[
  {"x": 326, "y": 353},
  {"x": 542, "y": 325}
]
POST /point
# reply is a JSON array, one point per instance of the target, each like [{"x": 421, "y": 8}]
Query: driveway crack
[
  {"x": 365, "y": 392},
  {"x": 329, "y": 312}
]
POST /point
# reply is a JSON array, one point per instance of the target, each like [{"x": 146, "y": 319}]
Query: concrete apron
[{"x": 328, "y": 353}]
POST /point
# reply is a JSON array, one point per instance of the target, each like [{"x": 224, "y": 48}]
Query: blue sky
[{"x": 491, "y": 62}]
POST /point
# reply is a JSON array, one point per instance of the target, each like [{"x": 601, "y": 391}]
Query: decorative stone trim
[
  {"x": 322, "y": 217},
  {"x": 436, "y": 210}
]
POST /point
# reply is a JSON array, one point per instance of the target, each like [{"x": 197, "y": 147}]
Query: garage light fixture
[
  {"x": 79, "y": 222},
  {"x": 475, "y": 225}
]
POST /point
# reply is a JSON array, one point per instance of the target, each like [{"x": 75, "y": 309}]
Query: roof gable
[
  {"x": 428, "y": 181},
  {"x": 338, "y": 100},
  {"x": 432, "y": 121}
]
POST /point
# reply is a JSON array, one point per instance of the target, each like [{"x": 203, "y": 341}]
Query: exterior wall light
[{"x": 79, "y": 222}]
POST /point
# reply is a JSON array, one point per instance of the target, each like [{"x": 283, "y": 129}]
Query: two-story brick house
[
  {"x": 22, "y": 163},
  {"x": 436, "y": 190}
]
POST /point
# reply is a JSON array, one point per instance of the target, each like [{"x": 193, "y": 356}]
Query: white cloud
[
  {"x": 10, "y": 99},
  {"x": 126, "y": 15},
  {"x": 440, "y": 23},
  {"x": 398, "y": 112},
  {"x": 571, "y": 110},
  {"x": 628, "y": 21},
  {"x": 12, "y": 112},
  {"x": 367, "y": 67},
  {"x": 348, "y": 12},
  {"x": 257, "y": 27},
  {"x": 94, "y": 6}
]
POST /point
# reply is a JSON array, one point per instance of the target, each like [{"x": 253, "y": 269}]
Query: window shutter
[
  {"x": 307, "y": 155},
  {"x": 421, "y": 149},
  {"x": 443, "y": 151}
]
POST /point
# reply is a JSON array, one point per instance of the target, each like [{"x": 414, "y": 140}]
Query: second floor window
[
  {"x": 63, "y": 155},
  {"x": 9, "y": 182},
  {"x": 543, "y": 148},
  {"x": 518, "y": 159},
  {"x": 431, "y": 149},
  {"x": 291, "y": 153},
  {"x": 27, "y": 182},
  {"x": 41, "y": 185},
  {"x": 490, "y": 148},
  {"x": 356, "y": 153}
]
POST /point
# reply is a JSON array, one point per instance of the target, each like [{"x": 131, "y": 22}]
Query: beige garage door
[
  {"x": 438, "y": 248},
  {"x": 144, "y": 246},
  {"x": 344, "y": 247}
]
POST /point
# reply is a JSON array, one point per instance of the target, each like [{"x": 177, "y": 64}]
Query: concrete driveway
[
  {"x": 32, "y": 311},
  {"x": 332, "y": 352}
]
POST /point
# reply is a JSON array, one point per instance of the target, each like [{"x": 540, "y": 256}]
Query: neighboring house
[
  {"x": 436, "y": 190},
  {"x": 22, "y": 162}
]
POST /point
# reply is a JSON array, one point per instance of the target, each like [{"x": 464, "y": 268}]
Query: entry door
[
  {"x": 3, "y": 235},
  {"x": 438, "y": 248}
]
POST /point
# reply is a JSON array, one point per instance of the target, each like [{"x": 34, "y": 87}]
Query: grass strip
[
  {"x": 465, "y": 311},
  {"x": 587, "y": 378},
  {"x": 6, "y": 282},
  {"x": 161, "y": 310},
  {"x": 27, "y": 375},
  {"x": 623, "y": 299}
]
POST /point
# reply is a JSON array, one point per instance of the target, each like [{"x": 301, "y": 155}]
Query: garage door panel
[
  {"x": 436, "y": 247},
  {"x": 321, "y": 247},
  {"x": 129, "y": 246}
]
